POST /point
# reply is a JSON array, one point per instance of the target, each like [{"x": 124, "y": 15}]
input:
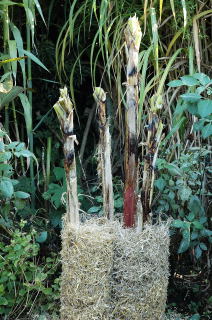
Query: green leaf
[
  {"x": 35, "y": 59},
  {"x": 178, "y": 223},
  {"x": 189, "y": 81},
  {"x": 27, "y": 111},
  {"x": 203, "y": 246},
  {"x": 174, "y": 170},
  {"x": 19, "y": 204},
  {"x": 175, "y": 83},
  {"x": 24, "y": 153},
  {"x": 197, "y": 225},
  {"x": 39, "y": 10},
  {"x": 19, "y": 44},
  {"x": 203, "y": 78},
  {"x": 185, "y": 242},
  {"x": 3, "y": 301},
  {"x": 192, "y": 108},
  {"x": 21, "y": 195},
  {"x": 7, "y": 3},
  {"x": 198, "y": 252},
  {"x": 42, "y": 236},
  {"x": 5, "y": 156},
  {"x": 6, "y": 188},
  {"x": 94, "y": 209},
  {"x": 180, "y": 108},
  {"x": 199, "y": 125},
  {"x": 118, "y": 203},
  {"x": 204, "y": 108},
  {"x": 206, "y": 233},
  {"x": 6, "y": 98},
  {"x": 194, "y": 235},
  {"x": 191, "y": 216},
  {"x": 191, "y": 97},
  {"x": 56, "y": 219},
  {"x": 160, "y": 184},
  {"x": 59, "y": 173},
  {"x": 195, "y": 317},
  {"x": 207, "y": 131},
  {"x": 199, "y": 90},
  {"x": 195, "y": 206},
  {"x": 184, "y": 193}
]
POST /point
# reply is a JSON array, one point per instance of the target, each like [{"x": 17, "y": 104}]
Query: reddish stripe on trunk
[{"x": 129, "y": 207}]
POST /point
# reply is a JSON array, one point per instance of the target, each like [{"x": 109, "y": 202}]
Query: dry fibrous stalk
[
  {"x": 65, "y": 112},
  {"x": 133, "y": 39},
  {"x": 105, "y": 170},
  {"x": 154, "y": 137}
]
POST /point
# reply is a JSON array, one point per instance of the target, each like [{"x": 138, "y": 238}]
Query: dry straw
[{"x": 114, "y": 273}]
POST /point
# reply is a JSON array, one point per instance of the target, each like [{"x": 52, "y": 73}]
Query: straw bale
[
  {"x": 140, "y": 273},
  {"x": 87, "y": 256},
  {"x": 114, "y": 273}
]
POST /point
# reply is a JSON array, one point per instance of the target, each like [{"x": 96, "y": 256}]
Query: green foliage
[
  {"x": 180, "y": 192},
  {"x": 10, "y": 196},
  {"x": 195, "y": 103},
  {"x": 24, "y": 283}
]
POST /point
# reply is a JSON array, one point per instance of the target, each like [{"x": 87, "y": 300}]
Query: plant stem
[
  {"x": 65, "y": 114},
  {"x": 105, "y": 170},
  {"x": 48, "y": 159},
  {"x": 30, "y": 137},
  {"x": 133, "y": 40},
  {"x": 6, "y": 38}
]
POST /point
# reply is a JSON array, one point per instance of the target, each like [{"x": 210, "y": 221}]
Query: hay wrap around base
[{"x": 114, "y": 273}]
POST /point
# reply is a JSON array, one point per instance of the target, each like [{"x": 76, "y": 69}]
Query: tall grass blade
[
  {"x": 13, "y": 55},
  {"x": 184, "y": 12},
  {"x": 155, "y": 37},
  {"x": 19, "y": 43},
  {"x": 37, "y": 4},
  {"x": 35, "y": 59},
  {"x": 27, "y": 112}
]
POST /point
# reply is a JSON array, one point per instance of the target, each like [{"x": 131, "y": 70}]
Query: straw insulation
[{"x": 114, "y": 273}]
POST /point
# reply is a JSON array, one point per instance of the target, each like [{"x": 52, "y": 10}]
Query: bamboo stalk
[
  {"x": 133, "y": 39},
  {"x": 64, "y": 110},
  {"x": 154, "y": 138},
  {"x": 6, "y": 38},
  {"x": 105, "y": 170}
]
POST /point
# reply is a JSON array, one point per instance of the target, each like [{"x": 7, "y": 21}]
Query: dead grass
[{"x": 114, "y": 273}]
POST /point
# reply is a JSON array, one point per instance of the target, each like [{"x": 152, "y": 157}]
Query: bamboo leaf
[
  {"x": 30, "y": 19},
  {"x": 184, "y": 12},
  {"x": 8, "y": 97},
  {"x": 8, "y": 3},
  {"x": 19, "y": 44},
  {"x": 173, "y": 9},
  {"x": 155, "y": 37},
  {"x": 176, "y": 127},
  {"x": 27, "y": 112},
  {"x": 13, "y": 55},
  {"x": 196, "y": 43},
  {"x": 39, "y": 10},
  {"x": 35, "y": 59},
  {"x": 166, "y": 71},
  {"x": 161, "y": 8},
  {"x": 174, "y": 39}
]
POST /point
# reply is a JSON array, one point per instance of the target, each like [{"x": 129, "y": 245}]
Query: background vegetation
[{"x": 48, "y": 44}]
